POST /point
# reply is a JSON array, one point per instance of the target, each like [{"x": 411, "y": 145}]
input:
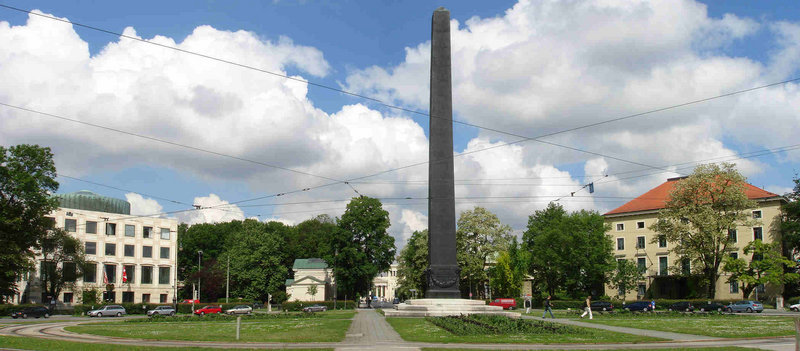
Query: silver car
[
  {"x": 745, "y": 306},
  {"x": 162, "y": 311},
  {"x": 107, "y": 311},
  {"x": 240, "y": 309}
]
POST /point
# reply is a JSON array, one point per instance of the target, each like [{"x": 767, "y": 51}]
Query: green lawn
[
  {"x": 22, "y": 343},
  {"x": 326, "y": 327},
  {"x": 418, "y": 329},
  {"x": 727, "y": 348},
  {"x": 723, "y": 326}
]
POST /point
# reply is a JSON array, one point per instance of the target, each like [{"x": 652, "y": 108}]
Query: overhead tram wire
[{"x": 385, "y": 104}]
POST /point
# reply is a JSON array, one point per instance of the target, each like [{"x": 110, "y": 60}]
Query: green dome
[{"x": 89, "y": 201}]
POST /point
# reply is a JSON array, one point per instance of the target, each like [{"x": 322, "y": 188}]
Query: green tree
[
  {"x": 212, "y": 239},
  {"x": 790, "y": 233},
  {"x": 27, "y": 179},
  {"x": 362, "y": 246},
  {"x": 502, "y": 278},
  {"x": 767, "y": 266},
  {"x": 568, "y": 252},
  {"x": 256, "y": 259},
  {"x": 625, "y": 276},
  {"x": 479, "y": 236},
  {"x": 411, "y": 265},
  {"x": 62, "y": 261},
  {"x": 312, "y": 290},
  {"x": 700, "y": 211}
]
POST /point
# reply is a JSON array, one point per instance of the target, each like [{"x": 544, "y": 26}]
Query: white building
[
  {"x": 384, "y": 285},
  {"x": 143, "y": 249},
  {"x": 310, "y": 272}
]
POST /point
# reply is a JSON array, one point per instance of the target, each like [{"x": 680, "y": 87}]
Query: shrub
[
  {"x": 298, "y": 305},
  {"x": 221, "y": 317},
  {"x": 488, "y": 324}
]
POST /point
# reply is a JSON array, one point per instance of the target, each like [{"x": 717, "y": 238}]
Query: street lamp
[{"x": 199, "y": 260}]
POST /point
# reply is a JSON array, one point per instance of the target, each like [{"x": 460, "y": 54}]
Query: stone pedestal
[{"x": 445, "y": 307}]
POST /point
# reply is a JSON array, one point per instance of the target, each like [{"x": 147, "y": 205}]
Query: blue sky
[{"x": 374, "y": 48}]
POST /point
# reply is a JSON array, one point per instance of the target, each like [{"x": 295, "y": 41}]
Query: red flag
[
  {"x": 124, "y": 275},
  {"x": 105, "y": 277}
]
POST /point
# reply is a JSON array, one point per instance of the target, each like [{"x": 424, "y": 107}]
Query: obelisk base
[{"x": 446, "y": 307}]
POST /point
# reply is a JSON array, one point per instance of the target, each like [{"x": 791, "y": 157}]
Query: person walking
[
  {"x": 548, "y": 307},
  {"x": 588, "y": 308}
]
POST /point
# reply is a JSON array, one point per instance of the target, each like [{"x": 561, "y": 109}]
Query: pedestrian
[
  {"x": 548, "y": 307},
  {"x": 653, "y": 305},
  {"x": 588, "y": 308}
]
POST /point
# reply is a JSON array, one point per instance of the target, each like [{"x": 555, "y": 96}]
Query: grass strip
[
  {"x": 23, "y": 343},
  {"x": 720, "y": 348}
]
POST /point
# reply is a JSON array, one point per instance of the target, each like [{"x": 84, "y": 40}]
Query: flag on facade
[
  {"x": 124, "y": 275},
  {"x": 105, "y": 277}
]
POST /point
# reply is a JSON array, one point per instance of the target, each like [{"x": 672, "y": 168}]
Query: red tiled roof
[{"x": 656, "y": 198}]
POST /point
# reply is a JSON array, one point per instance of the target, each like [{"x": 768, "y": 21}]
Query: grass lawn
[
  {"x": 726, "y": 348},
  {"x": 418, "y": 329},
  {"x": 22, "y": 343},
  {"x": 723, "y": 326},
  {"x": 326, "y": 327}
]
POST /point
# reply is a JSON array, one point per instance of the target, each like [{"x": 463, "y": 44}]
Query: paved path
[{"x": 370, "y": 331}]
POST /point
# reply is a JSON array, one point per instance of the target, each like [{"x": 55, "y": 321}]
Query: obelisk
[{"x": 443, "y": 272}]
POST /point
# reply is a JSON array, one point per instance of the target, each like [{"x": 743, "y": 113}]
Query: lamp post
[{"x": 199, "y": 261}]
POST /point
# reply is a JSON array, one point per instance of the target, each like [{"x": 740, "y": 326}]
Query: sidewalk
[{"x": 369, "y": 331}]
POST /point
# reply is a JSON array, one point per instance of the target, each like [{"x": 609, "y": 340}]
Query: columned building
[
  {"x": 132, "y": 258},
  {"x": 385, "y": 284}
]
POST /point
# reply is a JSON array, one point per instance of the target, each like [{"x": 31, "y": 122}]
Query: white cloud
[
  {"x": 213, "y": 210},
  {"x": 143, "y": 207}
]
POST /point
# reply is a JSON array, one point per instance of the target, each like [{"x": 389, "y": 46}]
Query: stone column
[{"x": 443, "y": 272}]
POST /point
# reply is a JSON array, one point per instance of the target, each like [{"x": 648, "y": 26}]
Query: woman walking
[{"x": 588, "y": 308}]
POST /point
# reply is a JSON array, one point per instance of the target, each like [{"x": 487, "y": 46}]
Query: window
[
  {"x": 50, "y": 221},
  {"x": 165, "y": 252},
  {"x": 686, "y": 266},
  {"x": 758, "y": 257},
  {"x": 620, "y": 243},
  {"x": 757, "y": 214},
  {"x": 732, "y": 235},
  {"x": 47, "y": 268},
  {"x": 130, "y": 230},
  {"x": 111, "y": 229},
  {"x": 641, "y": 262},
  {"x": 147, "y": 232},
  {"x": 642, "y": 289},
  {"x": 70, "y": 225},
  {"x": 110, "y": 271},
  {"x": 90, "y": 273},
  {"x": 147, "y": 251},
  {"x": 147, "y": 275},
  {"x": 127, "y": 296},
  {"x": 640, "y": 225},
  {"x": 67, "y": 298},
  {"x": 130, "y": 273},
  {"x": 761, "y": 289},
  {"x": 734, "y": 287},
  {"x": 70, "y": 271},
  {"x": 129, "y": 250},
  {"x": 111, "y": 249},
  {"x": 640, "y": 242},
  {"x": 91, "y": 227},
  {"x": 620, "y": 227},
  {"x": 165, "y": 233},
  {"x": 90, "y": 248},
  {"x": 163, "y": 275},
  {"x": 734, "y": 255},
  {"x": 662, "y": 266},
  {"x": 162, "y": 298},
  {"x": 145, "y": 298},
  {"x": 758, "y": 233}
]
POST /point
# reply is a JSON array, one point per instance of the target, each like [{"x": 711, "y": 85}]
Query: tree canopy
[
  {"x": 27, "y": 180},
  {"x": 256, "y": 259},
  {"x": 63, "y": 261},
  {"x": 412, "y": 263},
  {"x": 700, "y": 211},
  {"x": 767, "y": 265},
  {"x": 479, "y": 236}
]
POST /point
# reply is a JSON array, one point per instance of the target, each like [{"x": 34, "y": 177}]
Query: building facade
[
  {"x": 384, "y": 285},
  {"x": 663, "y": 271},
  {"x": 310, "y": 272},
  {"x": 131, "y": 258}
]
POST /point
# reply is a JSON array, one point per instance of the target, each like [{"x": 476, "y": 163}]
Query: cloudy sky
[{"x": 168, "y": 129}]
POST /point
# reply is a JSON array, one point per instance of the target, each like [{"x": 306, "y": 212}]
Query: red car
[
  {"x": 208, "y": 309},
  {"x": 507, "y": 304}
]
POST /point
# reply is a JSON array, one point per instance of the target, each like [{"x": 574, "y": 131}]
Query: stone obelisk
[{"x": 443, "y": 272}]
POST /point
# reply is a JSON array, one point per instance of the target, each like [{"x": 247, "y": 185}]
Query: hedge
[
  {"x": 6, "y": 309},
  {"x": 298, "y": 305},
  {"x": 661, "y": 304}
]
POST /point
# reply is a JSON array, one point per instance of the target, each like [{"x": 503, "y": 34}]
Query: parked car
[
  {"x": 681, "y": 306},
  {"x": 257, "y": 305},
  {"x": 108, "y": 311},
  {"x": 710, "y": 307},
  {"x": 642, "y": 306},
  {"x": 795, "y": 307},
  {"x": 748, "y": 306},
  {"x": 602, "y": 306},
  {"x": 190, "y": 301},
  {"x": 162, "y": 311},
  {"x": 396, "y": 300},
  {"x": 506, "y": 304},
  {"x": 240, "y": 309},
  {"x": 315, "y": 308},
  {"x": 34, "y": 311},
  {"x": 208, "y": 310}
]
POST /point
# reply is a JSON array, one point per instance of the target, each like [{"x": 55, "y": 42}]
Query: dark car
[
  {"x": 36, "y": 311},
  {"x": 642, "y": 306},
  {"x": 602, "y": 306},
  {"x": 711, "y": 307},
  {"x": 315, "y": 308},
  {"x": 396, "y": 300},
  {"x": 681, "y": 306}
]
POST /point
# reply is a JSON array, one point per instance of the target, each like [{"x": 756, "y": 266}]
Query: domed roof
[{"x": 89, "y": 201}]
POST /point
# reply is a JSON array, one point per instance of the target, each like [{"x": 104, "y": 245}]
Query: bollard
[{"x": 238, "y": 326}]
